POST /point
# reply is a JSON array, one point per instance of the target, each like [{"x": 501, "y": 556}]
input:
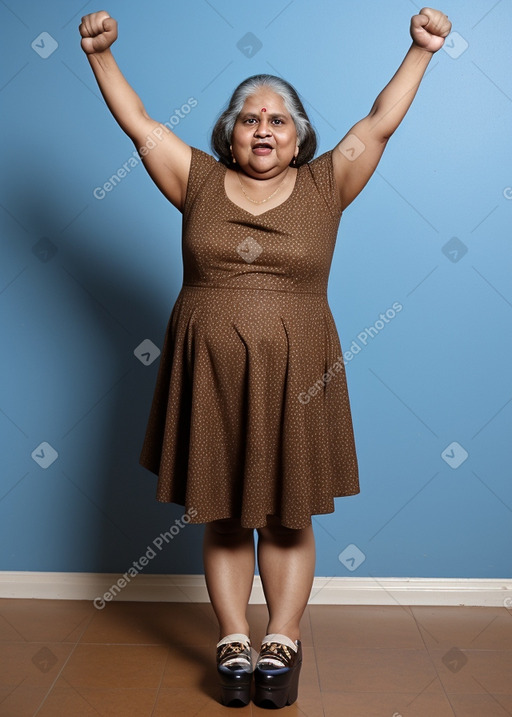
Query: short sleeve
[
  {"x": 322, "y": 173},
  {"x": 201, "y": 166}
]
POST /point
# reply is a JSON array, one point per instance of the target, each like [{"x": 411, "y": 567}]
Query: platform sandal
[
  {"x": 234, "y": 667},
  {"x": 276, "y": 675}
]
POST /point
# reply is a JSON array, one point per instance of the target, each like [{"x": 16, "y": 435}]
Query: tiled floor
[{"x": 68, "y": 659}]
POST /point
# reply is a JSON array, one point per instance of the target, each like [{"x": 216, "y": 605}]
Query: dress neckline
[{"x": 267, "y": 211}]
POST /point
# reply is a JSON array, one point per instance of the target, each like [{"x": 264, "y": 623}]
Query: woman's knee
[{"x": 274, "y": 530}]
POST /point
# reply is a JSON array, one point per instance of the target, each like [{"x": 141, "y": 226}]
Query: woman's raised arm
[
  {"x": 358, "y": 154},
  {"x": 166, "y": 157}
]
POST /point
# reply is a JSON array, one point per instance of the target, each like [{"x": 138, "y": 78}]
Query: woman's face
[{"x": 264, "y": 139}]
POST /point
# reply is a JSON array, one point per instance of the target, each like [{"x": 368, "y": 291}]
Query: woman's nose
[{"x": 262, "y": 129}]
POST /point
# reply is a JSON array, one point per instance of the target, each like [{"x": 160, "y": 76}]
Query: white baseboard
[{"x": 105, "y": 587}]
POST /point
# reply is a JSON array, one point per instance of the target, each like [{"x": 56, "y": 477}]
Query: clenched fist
[
  {"x": 429, "y": 28},
  {"x": 98, "y": 31}
]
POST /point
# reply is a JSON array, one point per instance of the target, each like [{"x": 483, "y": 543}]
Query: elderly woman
[{"x": 250, "y": 426}]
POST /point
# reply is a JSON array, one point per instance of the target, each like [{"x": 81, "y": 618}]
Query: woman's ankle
[
  {"x": 291, "y": 631},
  {"x": 233, "y": 628}
]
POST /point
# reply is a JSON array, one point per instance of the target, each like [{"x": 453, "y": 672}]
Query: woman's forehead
[{"x": 265, "y": 99}]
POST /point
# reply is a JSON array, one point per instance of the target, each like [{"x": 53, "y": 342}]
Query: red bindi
[{"x": 263, "y": 109}]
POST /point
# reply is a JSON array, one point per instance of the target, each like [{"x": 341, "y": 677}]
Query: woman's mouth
[{"x": 262, "y": 149}]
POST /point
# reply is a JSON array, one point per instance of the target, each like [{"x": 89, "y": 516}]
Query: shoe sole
[
  {"x": 236, "y": 692},
  {"x": 266, "y": 695}
]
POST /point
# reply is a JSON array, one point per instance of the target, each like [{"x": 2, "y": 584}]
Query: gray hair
[{"x": 223, "y": 130}]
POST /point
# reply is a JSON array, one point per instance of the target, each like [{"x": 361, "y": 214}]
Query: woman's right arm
[{"x": 166, "y": 157}]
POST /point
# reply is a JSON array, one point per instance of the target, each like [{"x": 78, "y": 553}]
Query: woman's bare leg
[
  {"x": 286, "y": 560},
  {"x": 229, "y": 561}
]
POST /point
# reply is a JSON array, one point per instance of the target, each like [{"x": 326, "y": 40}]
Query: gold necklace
[{"x": 261, "y": 201}]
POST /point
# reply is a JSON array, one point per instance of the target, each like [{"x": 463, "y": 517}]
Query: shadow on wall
[{"x": 86, "y": 312}]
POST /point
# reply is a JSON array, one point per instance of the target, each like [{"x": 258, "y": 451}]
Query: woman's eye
[{"x": 278, "y": 121}]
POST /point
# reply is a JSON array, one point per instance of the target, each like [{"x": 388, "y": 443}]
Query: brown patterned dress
[{"x": 251, "y": 414}]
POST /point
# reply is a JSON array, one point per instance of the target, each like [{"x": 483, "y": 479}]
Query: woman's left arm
[{"x": 359, "y": 152}]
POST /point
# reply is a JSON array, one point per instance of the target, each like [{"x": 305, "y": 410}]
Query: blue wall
[{"x": 83, "y": 281}]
